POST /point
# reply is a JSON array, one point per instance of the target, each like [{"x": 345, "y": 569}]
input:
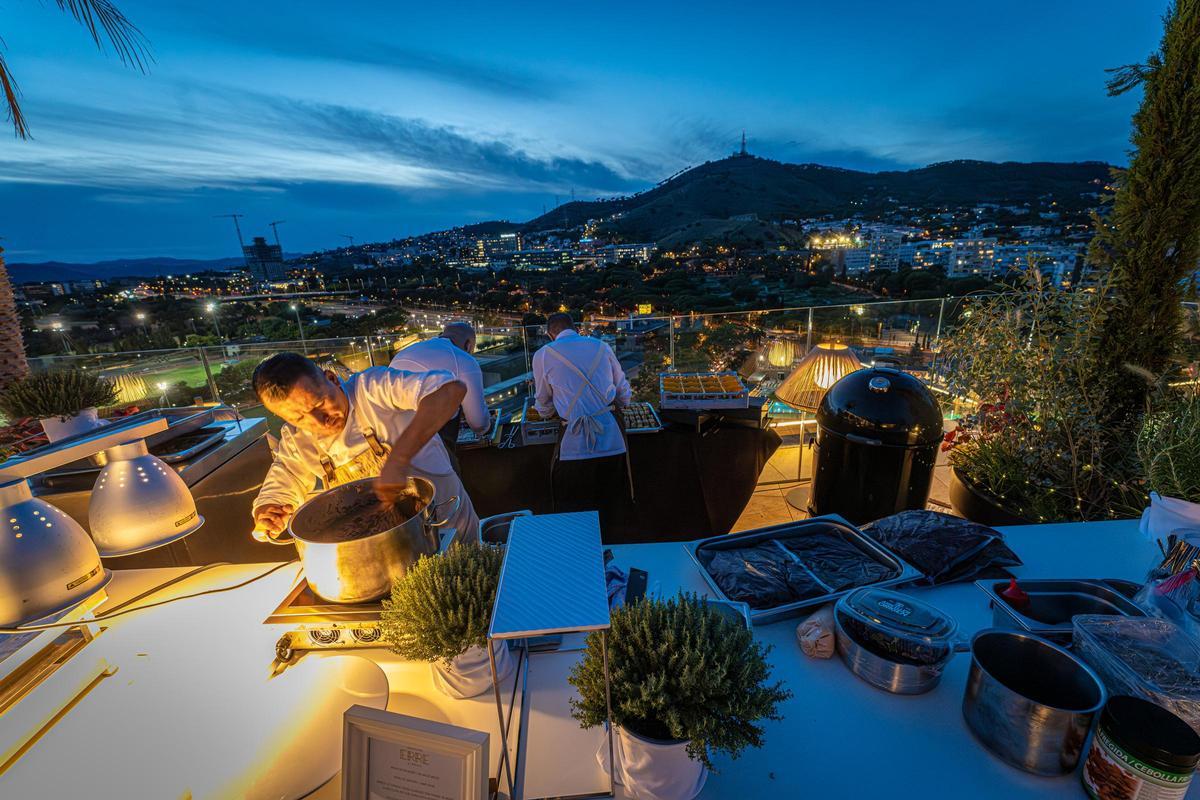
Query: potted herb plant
[
  {"x": 66, "y": 403},
  {"x": 439, "y": 612},
  {"x": 686, "y": 682}
]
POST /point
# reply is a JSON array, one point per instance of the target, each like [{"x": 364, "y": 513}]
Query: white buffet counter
[{"x": 192, "y": 710}]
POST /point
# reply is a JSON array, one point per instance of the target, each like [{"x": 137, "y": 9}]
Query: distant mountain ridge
[
  {"x": 25, "y": 272},
  {"x": 772, "y": 191}
]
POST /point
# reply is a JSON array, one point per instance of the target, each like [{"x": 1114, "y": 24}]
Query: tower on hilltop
[{"x": 741, "y": 153}]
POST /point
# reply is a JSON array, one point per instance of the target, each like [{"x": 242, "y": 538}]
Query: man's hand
[
  {"x": 273, "y": 517},
  {"x": 393, "y": 480}
]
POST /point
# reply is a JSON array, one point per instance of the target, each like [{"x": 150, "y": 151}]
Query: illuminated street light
[
  {"x": 296, "y": 309},
  {"x": 211, "y": 308}
]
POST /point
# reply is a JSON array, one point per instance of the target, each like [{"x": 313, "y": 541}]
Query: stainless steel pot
[
  {"x": 1029, "y": 701},
  {"x": 344, "y": 566}
]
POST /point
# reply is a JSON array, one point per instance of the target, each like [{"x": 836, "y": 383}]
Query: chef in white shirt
[
  {"x": 451, "y": 352},
  {"x": 379, "y": 423},
  {"x": 579, "y": 379}
]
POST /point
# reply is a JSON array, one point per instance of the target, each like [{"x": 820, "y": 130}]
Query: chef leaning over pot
[{"x": 380, "y": 423}]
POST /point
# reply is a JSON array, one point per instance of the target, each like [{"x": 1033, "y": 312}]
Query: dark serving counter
[{"x": 688, "y": 483}]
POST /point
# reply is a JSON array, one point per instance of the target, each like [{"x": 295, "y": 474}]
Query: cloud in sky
[{"x": 394, "y": 119}]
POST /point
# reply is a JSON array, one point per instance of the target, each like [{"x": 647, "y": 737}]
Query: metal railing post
[
  {"x": 370, "y": 352},
  {"x": 937, "y": 336},
  {"x": 671, "y": 329},
  {"x": 809, "y": 345},
  {"x": 208, "y": 373}
]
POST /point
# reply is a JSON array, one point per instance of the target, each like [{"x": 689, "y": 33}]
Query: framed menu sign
[{"x": 387, "y": 756}]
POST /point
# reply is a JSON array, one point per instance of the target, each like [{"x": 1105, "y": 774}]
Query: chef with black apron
[{"x": 579, "y": 380}]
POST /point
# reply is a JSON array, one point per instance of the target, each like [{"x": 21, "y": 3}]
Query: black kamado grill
[{"x": 878, "y": 432}]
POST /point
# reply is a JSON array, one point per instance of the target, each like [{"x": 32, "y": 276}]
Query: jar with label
[{"x": 1140, "y": 752}]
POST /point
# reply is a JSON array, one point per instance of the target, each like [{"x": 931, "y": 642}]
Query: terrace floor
[{"x": 768, "y": 505}]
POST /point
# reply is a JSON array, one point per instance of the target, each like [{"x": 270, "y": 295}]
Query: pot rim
[
  {"x": 422, "y": 514},
  {"x": 1091, "y": 673}
]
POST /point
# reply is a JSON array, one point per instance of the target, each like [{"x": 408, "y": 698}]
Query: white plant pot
[
  {"x": 651, "y": 769},
  {"x": 470, "y": 673},
  {"x": 1165, "y": 515},
  {"x": 57, "y": 428}
]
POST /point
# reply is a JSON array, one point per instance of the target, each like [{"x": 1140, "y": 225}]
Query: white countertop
[{"x": 192, "y": 709}]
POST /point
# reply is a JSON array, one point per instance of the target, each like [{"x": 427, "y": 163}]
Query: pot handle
[{"x": 436, "y": 509}]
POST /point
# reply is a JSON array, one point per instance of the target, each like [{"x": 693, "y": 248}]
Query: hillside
[
  {"x": 776, "y": 191},
  {"x": 22, "y": 272}
]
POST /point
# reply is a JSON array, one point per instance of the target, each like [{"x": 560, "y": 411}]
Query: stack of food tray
[
  {"x": 702, "y": 390},
  {"x": 782, "y": 570},
  {"x": 535, "y": 429},
  {"x": 468, "y": 439},
  {"x": 641, "y": 418}
]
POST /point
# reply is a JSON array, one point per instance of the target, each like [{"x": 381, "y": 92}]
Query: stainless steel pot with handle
[
  {"x": 1030, "y": 701},
  {"x": 353, "y": 547}
]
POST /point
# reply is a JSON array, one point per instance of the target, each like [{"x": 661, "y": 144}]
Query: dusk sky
[{"x": 382, "y": 120}]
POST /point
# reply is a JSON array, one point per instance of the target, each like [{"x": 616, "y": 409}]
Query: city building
[
  {"x": 540, "y": 260},
  {"x": 853, "y": 260},
  {"x": 639, "y": 252},
  {"x": 958, "y": 257},
  {"x": 265, "y": 260},
  {"x": 489, "y": 249}
]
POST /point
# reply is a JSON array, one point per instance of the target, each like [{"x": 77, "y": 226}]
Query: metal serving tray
[
  {"x": 654, "y": 428},
  {"x": 468, "y": 439},
  {"x": 537, "y": 431},
  {"x": 1053, "y": 603},
  {"x": 717, "y": 397},
  {"x": 903, "y": 572}
]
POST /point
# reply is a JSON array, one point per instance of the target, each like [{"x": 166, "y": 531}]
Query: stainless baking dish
[
  {"x": 1053, "y": 603},
  {"x": 901, "y": 571}
]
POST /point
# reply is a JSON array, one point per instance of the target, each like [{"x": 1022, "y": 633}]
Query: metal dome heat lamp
[{"x": 48, "y": 564}]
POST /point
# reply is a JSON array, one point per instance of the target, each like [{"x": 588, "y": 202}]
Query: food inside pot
[
  {"x": 365, "y": 516},
  {"x": 886, "y": 644}
]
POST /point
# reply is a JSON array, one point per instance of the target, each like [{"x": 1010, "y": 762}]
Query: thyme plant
[
  {"x": 444, "y": 604},
  {"x": 679, "y": 671}
]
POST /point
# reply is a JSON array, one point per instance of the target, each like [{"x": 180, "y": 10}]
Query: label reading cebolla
[{"x": 1111, "y": 773}]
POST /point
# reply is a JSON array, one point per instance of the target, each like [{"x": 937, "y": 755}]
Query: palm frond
[
  {"x": 12, "y": 98},
  {"x": 104, "y": 20}
]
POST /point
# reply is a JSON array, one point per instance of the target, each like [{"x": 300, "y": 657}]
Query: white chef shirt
[
  {"x": 443, "y": 354},
  {"x": 556, "y": 385},
  {"x": 381, "y": 398}
]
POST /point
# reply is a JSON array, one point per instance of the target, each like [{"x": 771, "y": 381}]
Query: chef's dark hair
[
  {"x": 275, "y": 377},
  {"x": 558, "y": 321}
]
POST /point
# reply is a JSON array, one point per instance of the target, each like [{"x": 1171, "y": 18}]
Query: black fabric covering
[
  {"x": 762, "y": 576},
  {"x": 838, "y": 563},
  {"x": 946, "y": 549},
  {"x": 754, "y": 575},
  {"x": 688, "y": 485}
]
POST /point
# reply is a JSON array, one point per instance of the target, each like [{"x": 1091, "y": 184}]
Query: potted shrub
[
  {"x": 66, "y": 403},
  {"x": 439, "y": 612},
  {"x": 1038, "y": 448},
  {"x": 1168, "y": 445},
  {"x": 685, "y": 682}
]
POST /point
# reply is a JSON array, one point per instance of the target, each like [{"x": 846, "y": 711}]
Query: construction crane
[
  {"x": 347, "y": 236},
  {"x": 237, "y": 227},
  {"x": 275, "y": 229}
]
